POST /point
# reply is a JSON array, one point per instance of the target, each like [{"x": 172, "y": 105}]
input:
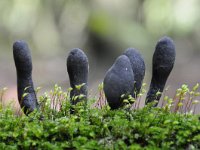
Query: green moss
[{"x": 53, "y": 127}]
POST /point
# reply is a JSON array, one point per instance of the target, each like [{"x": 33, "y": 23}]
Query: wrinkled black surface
[
  {"x": 23, "y": 63},
  {"x": 78, "y": 68},
  {"x": 163, "y": 62},
  {"x": 119, "y": 80},
  {"x": 138, "y": 67}
]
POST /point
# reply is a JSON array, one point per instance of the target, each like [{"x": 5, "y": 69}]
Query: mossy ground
[{"x": 53, "y": 127}]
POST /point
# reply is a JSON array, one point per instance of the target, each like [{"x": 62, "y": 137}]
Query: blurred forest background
[{"x": 103, "y": 29}]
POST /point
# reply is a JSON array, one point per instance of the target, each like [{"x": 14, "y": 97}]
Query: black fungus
[
  {"x": 138, "y": 67},
  {"x": 25, "y": 89},
  {"x": 119, "y": 82},
  {"x": 78, "y": 68},
  {"x": 163, "y": 62}
]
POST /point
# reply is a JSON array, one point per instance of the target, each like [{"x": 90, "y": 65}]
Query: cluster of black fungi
[{"x": 125, "y": 76}]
